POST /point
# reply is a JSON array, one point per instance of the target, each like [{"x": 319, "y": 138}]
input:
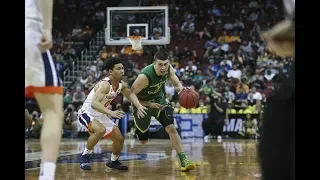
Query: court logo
[{"x": 66, "y": 158}]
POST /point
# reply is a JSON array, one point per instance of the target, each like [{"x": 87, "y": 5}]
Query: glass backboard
[{"x": 151, "y": 22}]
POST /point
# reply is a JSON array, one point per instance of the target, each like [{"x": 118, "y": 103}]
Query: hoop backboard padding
[
  {"x": 152, "y": 22},
  {"x": 136, "y": 42}
]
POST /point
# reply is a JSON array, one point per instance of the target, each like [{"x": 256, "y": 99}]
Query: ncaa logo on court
[{"x": 71, "y": 157}]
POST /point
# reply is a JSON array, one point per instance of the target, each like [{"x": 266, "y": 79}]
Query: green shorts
[{"x": 165, "y": 117}]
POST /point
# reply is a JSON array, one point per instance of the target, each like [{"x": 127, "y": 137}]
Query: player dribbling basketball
[{"x": 149, "y": 89}]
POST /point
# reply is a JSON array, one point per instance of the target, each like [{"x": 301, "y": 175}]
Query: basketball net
[{"x": 136, "y": 42}]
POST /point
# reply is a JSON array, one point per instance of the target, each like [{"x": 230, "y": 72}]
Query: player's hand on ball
[
  {"x": 46, "y": 41},
  {"x": 186, "y": 88},
  {"x": 156, "y": 106},
  {"x": 117, "y": 114},
  {"x": 141, "y": 111}
]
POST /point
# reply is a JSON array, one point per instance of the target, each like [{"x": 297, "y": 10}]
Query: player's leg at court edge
[
  {"x": 117, "y": 146},
  {"x": 166, "y": 119},
  {"x": 97, "y": 131},
  {"x": 51, "y": 106}
]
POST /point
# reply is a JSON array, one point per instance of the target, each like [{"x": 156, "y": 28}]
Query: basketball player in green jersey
[{"x": 149, "y": 89}]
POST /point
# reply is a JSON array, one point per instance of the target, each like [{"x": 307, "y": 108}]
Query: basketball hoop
[{"x": 136, "y": 42}]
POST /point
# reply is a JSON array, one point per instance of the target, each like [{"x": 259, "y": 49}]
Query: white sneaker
[{"x": 207, "y": 137}]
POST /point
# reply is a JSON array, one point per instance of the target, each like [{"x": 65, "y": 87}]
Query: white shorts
[
  {"x": 40, "y": 69},
  {"x": 85, "y": 119}
]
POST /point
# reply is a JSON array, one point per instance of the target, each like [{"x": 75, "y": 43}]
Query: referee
[{"x": 277, "y": 144}]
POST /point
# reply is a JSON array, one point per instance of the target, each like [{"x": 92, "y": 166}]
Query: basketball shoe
[
  {"x": 116, "y": 165},
  {"x": 85, "y": 162},
  {"x": 187, "y": 165}
]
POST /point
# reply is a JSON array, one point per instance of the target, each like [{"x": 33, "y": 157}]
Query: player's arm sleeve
[
  {"x": 132, "y": 97},
  {"x": 175, "y": 80},
  {"x": 46, "y": 7},
  {"x": 102, "y": 90}
]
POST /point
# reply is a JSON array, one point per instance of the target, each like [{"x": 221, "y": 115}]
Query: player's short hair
[
  {"x": 109, "y": 65},
  {"x": 161, "y": 55}
]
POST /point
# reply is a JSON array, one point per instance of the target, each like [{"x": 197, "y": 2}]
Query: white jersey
[
  {"x": 32, "y": 10},
  {"x": 40, "y": 69},
  {"x": 106, "y": 101}
]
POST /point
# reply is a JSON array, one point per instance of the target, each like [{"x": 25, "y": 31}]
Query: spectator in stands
[
  {"x": 84, "y": 78},
  {"x": 224, "y": 38},
  {"x": 201, "y": 109},
  {"x": 228, "y": 26},
  {"x": 249, "y": 127},
  {"x": 67, "y": 97},
  {"x": 169, "y": 88},
  {"x": 36, "y": 125},
  {"x": 198, "y": 79},
  {"x": 234, "y": 73},
  {"x": 76, "y": 33},
  {"x": 242, "y": 87},
  {"x": 226, "y": 63},
  {"x": 70, "y": 128},
  {"x": 204, "y": 34},
  {"x": 59, "y": 65},
  {"x": 78, "y": 97},
  {"x": 90, "y": 83},
  {"x": 229, "y": 95},
  {"x": 187, "y": 29},
  {"x": 235, "y": 37},
  {"x": 211, "y": 43},
  {"x": 113, "y": 52},
  {"x": 238, "y": 26},
  {"x": 207, "y": 88},
  {"x": 255, "y": 94}
]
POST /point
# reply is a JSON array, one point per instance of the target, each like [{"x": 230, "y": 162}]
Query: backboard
[{"x": 151, "y": 22}]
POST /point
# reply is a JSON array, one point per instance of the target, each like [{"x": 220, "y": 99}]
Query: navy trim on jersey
[
  {"x": 50, "y": 70},
  {"x": 84, "y": 119}
]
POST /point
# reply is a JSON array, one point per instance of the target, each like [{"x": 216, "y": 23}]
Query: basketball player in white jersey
[
  {"x": 95, "y": 116},
  {"x": 42, "y": 81}
]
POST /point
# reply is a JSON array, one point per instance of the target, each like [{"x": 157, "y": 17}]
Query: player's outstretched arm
[
  {"x": 101, "y": 91},
  {"x": 46, "y": 7},
  {"x": 132, "y": 97},
  {"x": 175, "y": 80}
]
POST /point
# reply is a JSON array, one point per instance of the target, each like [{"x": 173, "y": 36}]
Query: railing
[{"x": 77, "y": 64}]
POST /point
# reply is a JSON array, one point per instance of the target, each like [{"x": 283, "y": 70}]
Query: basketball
[{"x": 188, "y": 98}]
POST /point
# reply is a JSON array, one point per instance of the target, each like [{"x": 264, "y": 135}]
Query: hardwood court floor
[{"x": 227, "y": 160}]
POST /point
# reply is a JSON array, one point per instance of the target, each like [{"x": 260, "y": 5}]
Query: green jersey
[{"x": 154, "y": 90}]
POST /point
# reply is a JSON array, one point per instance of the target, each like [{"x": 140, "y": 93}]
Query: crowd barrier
[{"x": 190, "y": 125}]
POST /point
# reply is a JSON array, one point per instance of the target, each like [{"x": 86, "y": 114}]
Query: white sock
[
  {"x": 47, "y": 170},
  {"x": 45, "y": 178},
  {"x": 114, "y": 157},
  {"x": 86, "y": 151}
]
